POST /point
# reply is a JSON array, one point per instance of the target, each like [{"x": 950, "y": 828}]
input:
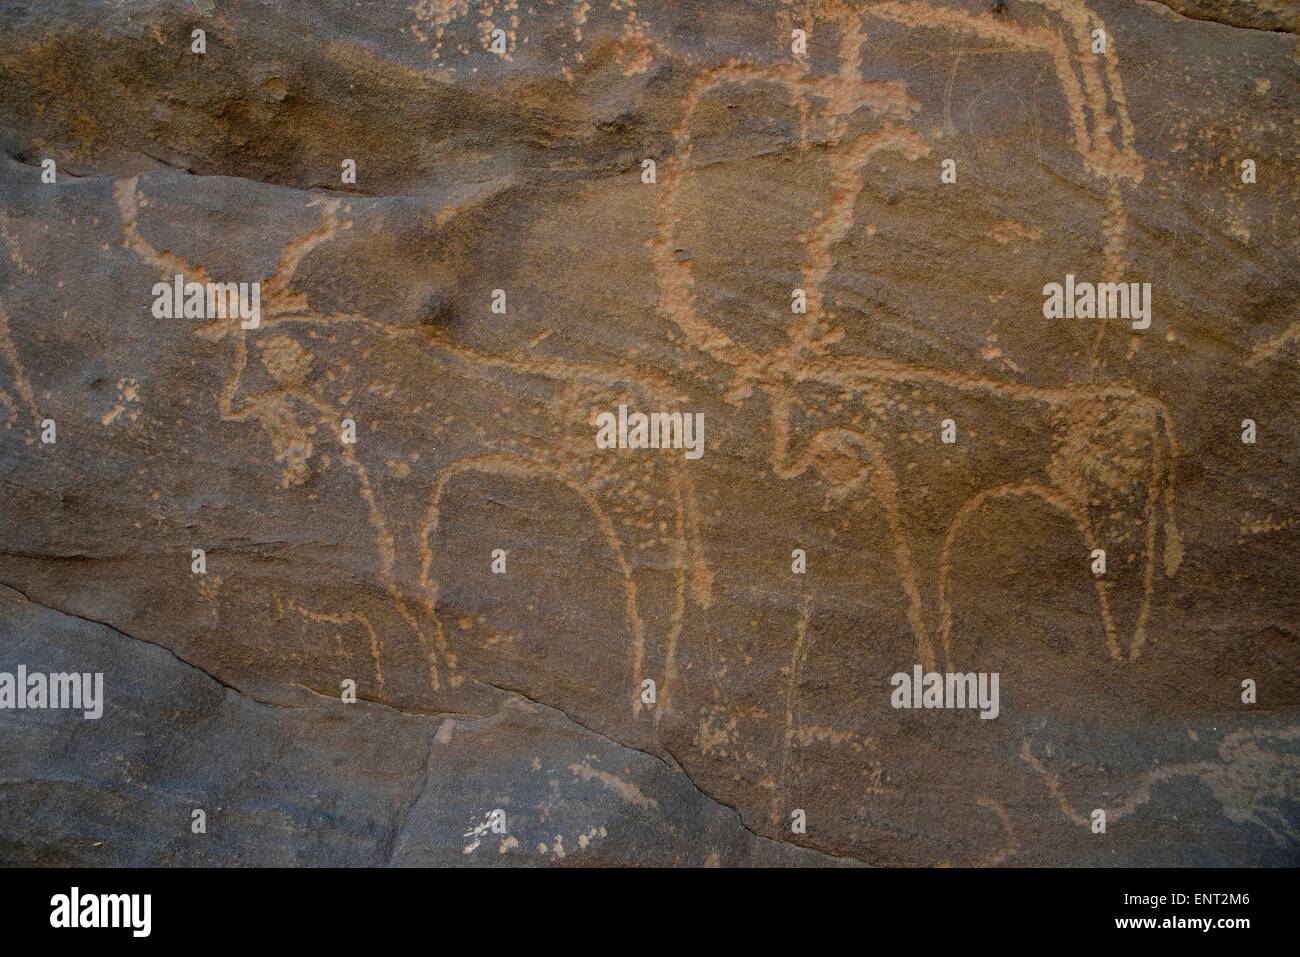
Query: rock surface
[{"x": 522, "y": 171}]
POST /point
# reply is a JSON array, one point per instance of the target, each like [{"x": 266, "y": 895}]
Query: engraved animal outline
[
  {"x": 271, "y": 408},
  {"x": 1238, "y": 748},
  {"x": 282, "y": 306},
  {"x": 751, "y": 369},
  {"x": 433, "y": 505},
  {"x": 806, "y": 356}
]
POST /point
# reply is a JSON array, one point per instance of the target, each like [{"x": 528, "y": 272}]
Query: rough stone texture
[
  {"x": 329, "y": 783},
  {"x": 475, "y": 431},
  {"x": 1257, "y": 14}
]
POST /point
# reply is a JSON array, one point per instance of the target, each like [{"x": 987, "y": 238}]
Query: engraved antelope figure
[
  {"x": 556, "y": 448},
  {"x": 1109, "y": 441}
]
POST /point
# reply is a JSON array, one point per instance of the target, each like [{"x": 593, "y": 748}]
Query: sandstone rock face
[{"x": 802, "y": 267}]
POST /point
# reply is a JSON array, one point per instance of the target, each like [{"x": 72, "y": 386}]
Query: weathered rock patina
[{"x": 523, "y": 171}]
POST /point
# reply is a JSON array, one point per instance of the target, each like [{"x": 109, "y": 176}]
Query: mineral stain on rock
[{"x": 432, "y": 621}]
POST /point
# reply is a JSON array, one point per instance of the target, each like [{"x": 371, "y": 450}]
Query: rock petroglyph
[{"x": 370, "y": 548}]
